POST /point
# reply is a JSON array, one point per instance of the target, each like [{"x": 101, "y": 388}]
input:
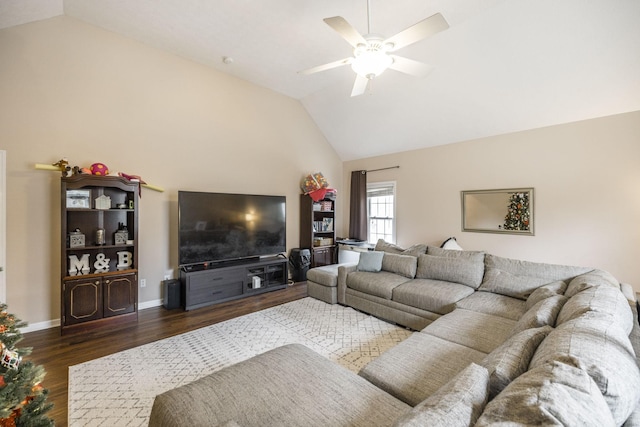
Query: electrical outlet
[
  {"x": 143, "y": 283},
  {"x": 167, "y": 277}
]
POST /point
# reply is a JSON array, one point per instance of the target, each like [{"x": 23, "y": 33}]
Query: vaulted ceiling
[{"x": 502, "y": 66}]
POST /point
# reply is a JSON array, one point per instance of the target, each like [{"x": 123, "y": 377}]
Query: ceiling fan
[{"x": 372, "y": 52}]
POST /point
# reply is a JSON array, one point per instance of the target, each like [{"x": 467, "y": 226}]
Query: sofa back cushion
[
  {"x": 415, "y": 250},
  {"x": 467, "y": 269},
  {"x": 517, "y": 267},
  {"x": 457, "y": 403},
  {"x": 551, "y": 394},
  {"x": 601, "y": 299},
  {"x": 511, "y": 359},
  {"x": 589, "y": 280},
  {"x": 404, "y": 265}
]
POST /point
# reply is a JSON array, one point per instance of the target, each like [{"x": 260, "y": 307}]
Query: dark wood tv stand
[{"x": 213, "y": 284}]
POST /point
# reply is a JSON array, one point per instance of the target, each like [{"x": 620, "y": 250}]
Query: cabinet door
[
  {"x": 83, "y": 300},
  {"x": 323, "y": 256},
  {"x": 119, "y": 294}
]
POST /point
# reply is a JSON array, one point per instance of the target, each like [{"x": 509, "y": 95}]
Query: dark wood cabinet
[
  {"x": 318, "y": 230},
  {"x": 99, "y": 251}
]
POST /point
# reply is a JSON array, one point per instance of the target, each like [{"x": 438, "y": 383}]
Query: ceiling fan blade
[
  {"x": 425, "y": 28},
  {"x": 409, "y": 66},
  {"x": 328, "y": 66},
  {"x": 360, "y": 85},
  {"x": 350, "y": 34}
]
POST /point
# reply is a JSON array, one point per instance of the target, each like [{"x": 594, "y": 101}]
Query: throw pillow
[
  {"x": 546, "y": 291},
  {"x": 556, "y": 394},
  {"x": 543, "y": 313},
  {"x": 464, "y": 270},
  {"x": 511, "y": 359},
  {"x": 457, "y": 403},
  {"x": 452, "y": 244},
  {"x": 505, "y": 283},
  {"x": 370, "y": 261}
]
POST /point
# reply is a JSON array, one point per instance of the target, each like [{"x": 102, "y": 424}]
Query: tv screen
[{"x": 221, "y": 227}]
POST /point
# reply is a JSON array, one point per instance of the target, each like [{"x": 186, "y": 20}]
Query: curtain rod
[{"x": 383, "y": 169}]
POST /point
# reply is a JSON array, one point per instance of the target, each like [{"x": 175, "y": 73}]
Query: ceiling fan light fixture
[{"x": 371, "y": 63}]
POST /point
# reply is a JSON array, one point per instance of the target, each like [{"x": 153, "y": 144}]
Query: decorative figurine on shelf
[
  {"x": 63, "y": 165},
  {"x": 121, "y": 236}
]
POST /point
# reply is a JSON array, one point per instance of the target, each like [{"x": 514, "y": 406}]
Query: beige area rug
[{"x": 118, "y": 390}]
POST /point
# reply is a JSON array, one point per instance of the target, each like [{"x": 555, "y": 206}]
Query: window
[{"x": 381, "y": 209}]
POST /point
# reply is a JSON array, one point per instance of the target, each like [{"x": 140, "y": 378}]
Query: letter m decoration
[{"x": 78, "y": 266}]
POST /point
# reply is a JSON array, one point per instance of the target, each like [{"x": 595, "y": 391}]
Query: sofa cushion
[
  {"x": 511, "y": 359},
  {"x": 404, "y": 265},
  {"x": 465, "y": 270},
  {"x": 496, "y": 304},
  {"x": 552, "y": 272},
  {"x": 480, "y": 331},
  {"x": 415, "y": 250},
  {"x": 458, "y": 403},
  {"x": 554, "y": 394},
  {"x": 326, "y": 275},
  {"x": 435, "y": 251},
  {"x": 290, "y": 385},
  {"x": 589, "y": 280},
  {"x": 596, "y": 344},
  {"x": 602, "y": 299},
  {"x": 543, "y": 313},
  {"x": 549, "y": 290},
  {"x": 379, "y": 284},
  {"x": 370, "y": 261},
  {"x": 432, "y": 295},
  {"x": 505, "y": 283},
  {"x": 417, "y": 367}
]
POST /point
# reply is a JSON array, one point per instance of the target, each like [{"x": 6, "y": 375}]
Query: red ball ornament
[{"x": 99, "y": 169}]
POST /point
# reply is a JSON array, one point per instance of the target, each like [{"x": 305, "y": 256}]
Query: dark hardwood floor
[{"x": 56, "y": 353}]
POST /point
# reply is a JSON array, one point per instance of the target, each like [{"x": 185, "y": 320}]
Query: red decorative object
[{"x": 99, "y": 169}]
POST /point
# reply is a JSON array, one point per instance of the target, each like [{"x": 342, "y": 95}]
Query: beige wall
[
  {"x": 70, "y": 89},
  {"x": 586, "y": 177}
]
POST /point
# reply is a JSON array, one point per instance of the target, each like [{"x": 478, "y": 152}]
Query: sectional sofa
[{"x": 497, "y": 341}]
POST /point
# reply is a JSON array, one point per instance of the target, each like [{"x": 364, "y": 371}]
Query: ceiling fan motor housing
[{"x": 371, "y": 59}]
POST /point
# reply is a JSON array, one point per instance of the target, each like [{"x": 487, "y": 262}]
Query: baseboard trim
[
  {"x": 150, "y": 304},
  {"x": 55, "y": 323},
  {"x": 40, "y": 326}
]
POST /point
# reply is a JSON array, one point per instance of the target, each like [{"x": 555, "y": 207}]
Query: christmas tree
[
  {"x": 517, "y": 217},
  {"x": 22, "y": 397}
]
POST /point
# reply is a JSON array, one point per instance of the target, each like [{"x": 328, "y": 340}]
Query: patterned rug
[{"x": 118, "y": 390}]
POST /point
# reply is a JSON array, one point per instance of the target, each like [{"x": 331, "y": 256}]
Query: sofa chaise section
[{"x": 288, "y": 386}]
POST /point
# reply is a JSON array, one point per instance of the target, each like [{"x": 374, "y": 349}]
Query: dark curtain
[{"x": 358, "y": 206}]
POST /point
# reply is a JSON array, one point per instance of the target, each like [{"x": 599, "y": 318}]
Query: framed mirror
[{"x": 507, "y": 210}]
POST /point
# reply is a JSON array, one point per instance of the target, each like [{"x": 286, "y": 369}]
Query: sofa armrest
[{"x": 343, "y": 272}]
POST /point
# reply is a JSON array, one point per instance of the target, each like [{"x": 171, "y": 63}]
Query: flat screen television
[{"x": 217, "y": 227}]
